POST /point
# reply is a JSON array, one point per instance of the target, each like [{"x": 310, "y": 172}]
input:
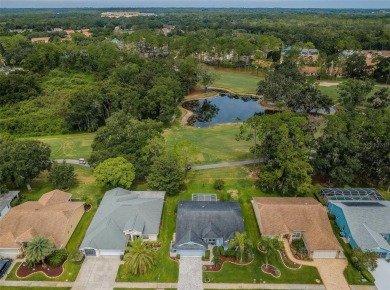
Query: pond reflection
[{"x": 222, "y": 109}]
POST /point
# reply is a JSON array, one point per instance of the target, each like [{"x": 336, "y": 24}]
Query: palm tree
[
  {"x": 242, "y": 243},
  {"x": 139, "y": 258},
  {"x": 269, "y": 245},
  {"x": 38, "y": 249}
]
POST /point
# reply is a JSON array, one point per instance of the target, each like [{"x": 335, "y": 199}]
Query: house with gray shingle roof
[
  {"x": 203, "y": 223},
  {"x": 5, "y": 202},
  {"x": 365, "y": 224},
  {"x": 123, "y": 215}
]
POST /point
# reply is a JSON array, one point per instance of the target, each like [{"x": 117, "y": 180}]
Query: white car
[{"x": 82, "y": 161}]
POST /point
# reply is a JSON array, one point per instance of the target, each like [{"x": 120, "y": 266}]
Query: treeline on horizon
[{"x": 369, "y": 28}]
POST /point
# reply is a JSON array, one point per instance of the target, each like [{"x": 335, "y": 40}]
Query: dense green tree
[
  {"x": 354, "y": 92},
  {"x": 363, "y": 260},
  {"x": 337, "y": 150},
  {"x": 185, "y": 152},
  {"x": 23, "y": 160},
  {"x": 139, "y": 258},
  {"x": 206, "y": 75},
  {"x": 165, "y": 174},
  {"x": 355, "y": 66},
  {"x": 380, "y": 99},
  {"x": 284, "y": 141},
  {"x": 382, "y": 70},
  {"x": 18, "y": 86},
  {"x": 308, "y": 98},
  {"x": 85, "y": 111},
  {"x": 62, "y": 175},
  {"x": 115, "y": 172},
  {"x": 38, "y": 249},
  {"x": 125, "y": 137}
]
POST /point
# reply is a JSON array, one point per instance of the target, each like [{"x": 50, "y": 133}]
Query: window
[{"x": 296, "y": 235}]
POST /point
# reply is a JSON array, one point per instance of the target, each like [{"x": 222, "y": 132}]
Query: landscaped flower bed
[
  {"x": 50, "y": 271},
  {"x": 272, "y": 270},
  {"x": 212, "y": 268},
  {"x": 287, "y": 262},
  {"x": 261, "y": 248}
]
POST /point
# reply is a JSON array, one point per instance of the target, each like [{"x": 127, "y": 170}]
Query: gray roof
[
  {"x": 122, "y": 210},
  {"x": 367, "y": 220},
  {"x": 6, "y": 198},
  {"x": 197, "y": 220}
]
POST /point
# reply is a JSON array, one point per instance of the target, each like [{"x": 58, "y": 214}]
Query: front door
[{"x": 90, "y": 252}]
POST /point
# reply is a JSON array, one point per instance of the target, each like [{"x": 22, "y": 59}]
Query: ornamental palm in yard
[
  {"x": 139, "y": 258},
  {"x": 269, "y": 245},
  {"x": 242, "y": 243},
  {"x": 38, "y": 249}
]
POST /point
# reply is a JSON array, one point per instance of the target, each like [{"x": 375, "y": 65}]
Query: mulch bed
[
  {"x": 272, "y": 270},
  {"x": 287, "y": 262},
  {"x": 50, "y": 271},
  {"x": 212, "y": 268}
]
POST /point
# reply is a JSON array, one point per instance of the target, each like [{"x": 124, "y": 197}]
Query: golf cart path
[{"x": 199, "y": 167}]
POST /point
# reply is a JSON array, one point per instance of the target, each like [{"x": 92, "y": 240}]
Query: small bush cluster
[
  {"x": 206, "y": 256},
  {"x": 219, "y": 184},
  {"x": 57, "y": 257}
]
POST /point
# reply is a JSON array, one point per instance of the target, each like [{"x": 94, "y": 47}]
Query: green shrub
[
  {"x": 319, "y": 197},
  {"x": 177, "y": 256},
  {"x": 225, "y": 196},
  {"x": 206, "y": 256},
  {"x": 57, "y": 257},
  {"x": 219, "y": 184},
  {"x": 229, "y": 253},
  {"x": 366, "y": 274},
  {"x": 216, "y": 251},
  {"x": 331, "y": 216},
  {"x": 217, "y": 261}
]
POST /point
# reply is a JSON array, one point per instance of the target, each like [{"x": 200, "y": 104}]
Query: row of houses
[
  {"x": 68, "y": 35},
  {"x": 362, "y": 215}
]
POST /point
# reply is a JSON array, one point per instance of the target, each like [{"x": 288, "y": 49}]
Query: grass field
[
  {"x": 217, "y": 144},
  {"x": 72, "y": 146},
  {"x": 237, "y": 81}
]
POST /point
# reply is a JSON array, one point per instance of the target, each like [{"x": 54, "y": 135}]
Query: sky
[{"x": 374, "y": 4}]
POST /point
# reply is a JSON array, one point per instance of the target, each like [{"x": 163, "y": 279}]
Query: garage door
[
  {"x": 191, "y": 253},
  {"x": 324, "y": 254},
  {"x": 110, "y": 252}
]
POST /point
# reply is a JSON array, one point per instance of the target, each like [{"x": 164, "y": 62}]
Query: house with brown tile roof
[
  {"x": 40, "y": 39},
  {"x": 53, "y": 216},
  {"x": 297, "y": 217}
]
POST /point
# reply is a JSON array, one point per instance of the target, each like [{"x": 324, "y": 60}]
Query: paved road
[
  {"x": 228, "y": 164},
  {"x": 71, "y": 161}
]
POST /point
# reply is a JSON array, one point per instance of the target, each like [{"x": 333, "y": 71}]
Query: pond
[
  {"x": 222, "y": 109},
  {"x": 225, "y": 108}
]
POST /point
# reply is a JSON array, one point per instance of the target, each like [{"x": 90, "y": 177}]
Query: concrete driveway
[
  {"x": 97, "y": 273},
  {"x": 190, "y": 273},
  {"x": 382, "y": 275}
]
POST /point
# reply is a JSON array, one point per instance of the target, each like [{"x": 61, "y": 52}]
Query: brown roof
[
  {"x": 38, "y": 39},
  {"x": 310, "y": 69},
  {"x": 49, "y": 217},
  {"x": 281, "y": 215}
]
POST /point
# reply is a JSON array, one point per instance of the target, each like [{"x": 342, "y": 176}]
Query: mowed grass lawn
[
  {"x": 70, "y": 146},
  {"x": 216, "y": 144},
  {"x": 237, "y": 81},
  {"x": 85, "y": 186}
]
